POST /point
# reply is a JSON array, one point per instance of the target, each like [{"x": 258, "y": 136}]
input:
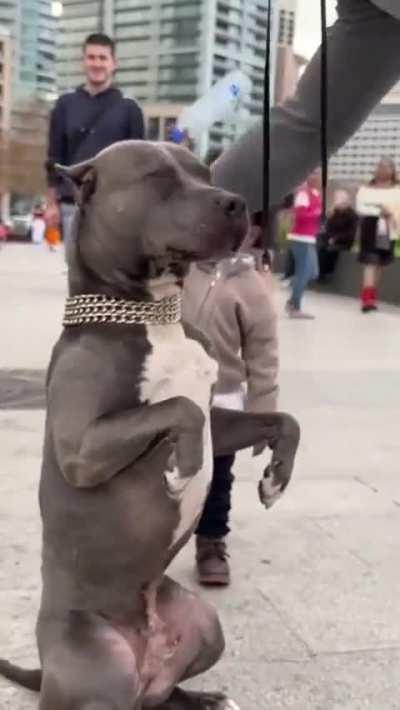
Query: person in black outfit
[
  {"x": 84, "y": 122},
  {"x": 339, "y": 235}
]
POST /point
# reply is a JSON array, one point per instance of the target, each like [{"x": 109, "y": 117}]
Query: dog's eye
[
  {"x": 164, "y": 179},
  {"x": 165, "y": 173}
]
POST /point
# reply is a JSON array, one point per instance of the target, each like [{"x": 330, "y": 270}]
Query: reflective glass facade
[
  {"x": 33, "y": 36},
  {"x": 378, "y": 137}
]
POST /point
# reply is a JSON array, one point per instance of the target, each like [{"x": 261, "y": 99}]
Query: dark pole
[
  {"x": 324, "y": 110},
  {"x": 267, "y": 104}
]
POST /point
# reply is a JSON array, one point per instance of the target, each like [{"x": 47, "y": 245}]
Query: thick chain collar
[{"x": 103, "y": 309}]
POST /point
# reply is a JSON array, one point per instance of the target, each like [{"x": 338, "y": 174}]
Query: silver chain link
[{"x": 103, "y": 309}]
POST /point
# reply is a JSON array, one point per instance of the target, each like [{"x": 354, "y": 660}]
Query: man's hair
[{"x": 101, "y": 40}]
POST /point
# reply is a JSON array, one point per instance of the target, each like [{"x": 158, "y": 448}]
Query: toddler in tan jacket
[{"x": 231, "y": 301}]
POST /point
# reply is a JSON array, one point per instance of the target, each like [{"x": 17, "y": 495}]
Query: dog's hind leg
[
  {"x": 89, "y": 666},
  {"x": 196, "y": 642}
]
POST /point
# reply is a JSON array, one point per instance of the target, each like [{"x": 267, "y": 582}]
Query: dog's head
[{"x": 148, "y": 208}]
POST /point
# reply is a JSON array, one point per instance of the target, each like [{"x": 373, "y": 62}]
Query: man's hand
[{"x": 385, "y": 212}]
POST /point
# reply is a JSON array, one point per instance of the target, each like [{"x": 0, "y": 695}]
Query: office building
[
  {"x": 393, "y": 97},
  {"x": 5, "y": 114},
  {"x": 5, "y": 80},
  {"x": 378, "y": 137},
  {"x": 287, "y": 11},
  {"x": 32, "y": 27},
  {"x": 172, "y": 51},
  {"x": 288, "y": 68},
  {"x": 288, "y": 63}
]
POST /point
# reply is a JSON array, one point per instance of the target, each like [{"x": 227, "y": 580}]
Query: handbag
[{"x": 382, "y": 239}]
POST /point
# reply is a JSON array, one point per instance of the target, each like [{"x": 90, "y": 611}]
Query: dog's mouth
[
  {"x": 209, "y": 241},
  {"x": 216, "y": 245},
  {"x": 179, "y": 257}
]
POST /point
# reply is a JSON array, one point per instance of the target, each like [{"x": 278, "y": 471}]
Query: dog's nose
[{"x": 232, "y": 205}]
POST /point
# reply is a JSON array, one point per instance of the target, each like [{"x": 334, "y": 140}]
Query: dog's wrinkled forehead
[{"x": 136, "y": 160}]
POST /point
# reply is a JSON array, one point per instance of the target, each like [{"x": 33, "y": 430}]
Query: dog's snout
[{"x": 232, "y": 205}]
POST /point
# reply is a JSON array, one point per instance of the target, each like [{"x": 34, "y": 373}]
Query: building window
[
  {"x": 180, "y": 29},
  {"x": 153, "y": 128}
]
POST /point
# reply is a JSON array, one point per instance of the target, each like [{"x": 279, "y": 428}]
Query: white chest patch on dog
[{"x": 180, "y": 367}]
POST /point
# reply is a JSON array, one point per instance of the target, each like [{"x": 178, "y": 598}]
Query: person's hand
[
  {"x": 385, "y": 212},
  {"x": 52, "y": 215}
]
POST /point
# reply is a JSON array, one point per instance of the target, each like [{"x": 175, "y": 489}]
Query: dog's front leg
[
  {"x": 232, "y": 431},
  {"x": 93, "y": 454}
]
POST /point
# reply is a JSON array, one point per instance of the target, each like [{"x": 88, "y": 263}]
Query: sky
[{"x": 308, "y": 32}]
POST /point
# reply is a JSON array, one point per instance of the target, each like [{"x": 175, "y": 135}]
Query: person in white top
[{"x": 378, "y": 205}]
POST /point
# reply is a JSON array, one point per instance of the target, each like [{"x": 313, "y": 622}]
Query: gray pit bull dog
[{"x": 129, "y": 438}]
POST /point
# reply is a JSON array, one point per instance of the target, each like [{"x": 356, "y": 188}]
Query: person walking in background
[
  {"x": 85, "y": 121},
  {"x": 3, "y": 233},
  {"x": 307, "y": 210},
  {"x": 378, "y": 206},
  {"x": 340, "y": 233},
  {"x": 38, "y": 223},
  {"x": 53, "y": 238},
  {"x": 231, "y": 302}
]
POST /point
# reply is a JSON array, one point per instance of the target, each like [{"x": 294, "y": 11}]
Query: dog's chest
[
  {"x": 180, "y": 367},
  {"x": 177, "y": 367}
]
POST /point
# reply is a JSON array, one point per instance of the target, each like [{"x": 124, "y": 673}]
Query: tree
[{"x": 23, "y": 148}]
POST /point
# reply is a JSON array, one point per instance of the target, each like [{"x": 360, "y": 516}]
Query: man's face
[{"x": 99, "y": 64}]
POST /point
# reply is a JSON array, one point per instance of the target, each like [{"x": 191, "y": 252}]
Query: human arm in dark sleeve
[
  {"x": 363, "y": 65},
  {"x": 136, "y": 130},
  {"x": 56, "y": 152}
]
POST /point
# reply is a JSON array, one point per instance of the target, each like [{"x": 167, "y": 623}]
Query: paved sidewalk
[{"x": 312, "y": 618}]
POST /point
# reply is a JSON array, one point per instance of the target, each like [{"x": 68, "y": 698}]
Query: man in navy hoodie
[{"x": 85, "y": 121}]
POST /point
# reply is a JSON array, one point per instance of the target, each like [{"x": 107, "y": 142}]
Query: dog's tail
[{"x": 27, "y": 679}]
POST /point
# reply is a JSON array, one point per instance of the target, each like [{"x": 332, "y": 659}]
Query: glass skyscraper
[{"x": 32, "y": 28}]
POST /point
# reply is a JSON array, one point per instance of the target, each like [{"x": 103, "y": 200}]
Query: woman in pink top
[{"x": 307, "y": 210}]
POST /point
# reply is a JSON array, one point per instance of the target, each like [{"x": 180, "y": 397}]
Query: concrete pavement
[{"x": 312, "y": 618}]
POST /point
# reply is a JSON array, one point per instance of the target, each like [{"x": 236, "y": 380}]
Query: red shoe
[{"x": 368, "y": 300}]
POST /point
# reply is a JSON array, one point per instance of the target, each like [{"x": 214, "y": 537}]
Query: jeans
[
  {"x": 214, "y": 522},
  {"x": 306, "y": 269},
  {"x": 289, "y": 266},
  {"x": 67, "y": 216}
]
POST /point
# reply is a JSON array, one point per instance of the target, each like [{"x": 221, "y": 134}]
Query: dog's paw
[
  {"x": 189, "y": 700},
  {"x": 175, "y": 483},
  {"x": 268, "y": 494},
  {"x": 216, "y": 701},
  {"x": 229, "y": 704},
  {"x": 269, "y": 489}
]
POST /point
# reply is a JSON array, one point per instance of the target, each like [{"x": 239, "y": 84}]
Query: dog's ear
[{"x": 83, "y": 177}]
